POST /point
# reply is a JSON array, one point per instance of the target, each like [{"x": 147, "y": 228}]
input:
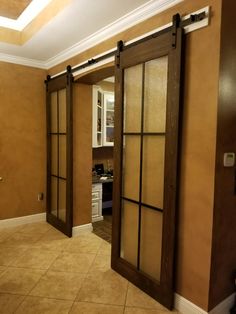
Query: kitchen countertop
[{"x": 97, "y": 179}]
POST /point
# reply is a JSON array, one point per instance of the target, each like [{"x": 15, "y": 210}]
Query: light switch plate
[{"x": 229, "y": 159}]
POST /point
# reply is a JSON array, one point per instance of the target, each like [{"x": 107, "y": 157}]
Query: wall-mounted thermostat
[{"x": 229, "y": 159}]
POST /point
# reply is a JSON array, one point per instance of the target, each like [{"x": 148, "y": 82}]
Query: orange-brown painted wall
[
  {"x": 82, "y": 157},
  {"x": 224, "y": 221},
  {"x": 198, "y": 160},
  {"x": 22, "y": 140}
]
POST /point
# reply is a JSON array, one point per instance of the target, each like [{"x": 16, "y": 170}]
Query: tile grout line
[
  {"x": 126, "y": 296},
  {"x": 25, "y": 296}
]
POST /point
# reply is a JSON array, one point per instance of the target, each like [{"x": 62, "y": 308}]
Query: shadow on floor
[{"x": 103, "y": 228}]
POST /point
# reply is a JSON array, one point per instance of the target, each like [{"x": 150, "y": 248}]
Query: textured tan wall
[
  {"x": 198, "y": 143},
  {"x": 22, "y": 140},
  {"x": 82, "y": 156},
  {"x": 224, "y": 241},
  {"x": 198, "y": 159}
]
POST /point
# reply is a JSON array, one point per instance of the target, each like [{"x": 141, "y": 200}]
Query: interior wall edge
[{"x": 223, "y": 259}]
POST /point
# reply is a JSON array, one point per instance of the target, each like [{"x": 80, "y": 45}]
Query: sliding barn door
[
  {"x": 146, "y": 149},
  {"x": 59, "y": 153}
]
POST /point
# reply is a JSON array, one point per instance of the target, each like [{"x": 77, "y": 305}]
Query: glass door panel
[
  {"x": 62, "y": 200},
  {"x": 151, "y": 242},
  {"x": 62, "y": 110},
  {"x": 156, "y": 72},
  {"x": 53, "y": 113},
  {"x": 132, "y": 98},
  {"x": 62, "y": 156},
  {"x": 153, "y": 170},
  {"x": 131, "y": 162},
  {"x": 129, "y": 232},
  {"x": 54, "y": 194},
  {"x": 54, "y": 155}
]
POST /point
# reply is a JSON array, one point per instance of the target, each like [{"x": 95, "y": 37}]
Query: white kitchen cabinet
[
  {"x": 103, "y": 117},
  {"x": 97, "y": 116},
  {"x": 108, "y": 119},
  {"x": 97, "y": 202}
]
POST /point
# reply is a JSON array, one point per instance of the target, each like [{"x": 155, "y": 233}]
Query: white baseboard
[
  {"x": 12, "y": 222},
  {"x": 77, "y": 230},
  {"x": 224, "y": 306},
  {"x": 184, "y": 306},
  {"x": 95, "y": 219}
]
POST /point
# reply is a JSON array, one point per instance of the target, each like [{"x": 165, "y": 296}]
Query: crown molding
[
  {"x": 136, "y": 16},
  {"x": 22, "y": 61}
]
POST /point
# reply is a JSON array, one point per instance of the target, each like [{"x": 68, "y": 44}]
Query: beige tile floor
[{"x": 44, "y": 272}]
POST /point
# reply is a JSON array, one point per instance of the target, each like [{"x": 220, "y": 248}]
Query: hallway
[{"x": 43, "y": 271}]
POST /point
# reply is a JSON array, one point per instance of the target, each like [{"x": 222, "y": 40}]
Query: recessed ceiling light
[{"x": 33, "y": 9}]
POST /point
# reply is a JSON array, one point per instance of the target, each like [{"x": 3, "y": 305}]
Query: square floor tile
[
  {"x": 35, "y": 258},
  {"x": 37, "y": 227},
  {"x": 22, "y": 239},
  {"x": 2, "y": 269},
  {"x": 19, "y": 280},
  {"x": 9, "y": 302},
  {"x": 136, "y": 310},
  {"x": 58, "y": 285},
  {"x": 73, "y": 262},
  {"x": 56, "y": 245},
  {"x": 85, "y": 243},
  {"x": 10, "y": 254},
  {"x": 94, "y": 308},
  {"x": 105, "y": 248},
  {"x": 103, "y": 287},
  {"x": 4, "y": 236},
  {"x": 36, "y": 305},
  {"x": 101, "y": 263},
  {"x": 54, "y": 234}
]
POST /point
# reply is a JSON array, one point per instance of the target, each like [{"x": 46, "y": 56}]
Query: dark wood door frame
[
  {"x": 168, "y": 42},
  {"x": 52, "y": 85}
]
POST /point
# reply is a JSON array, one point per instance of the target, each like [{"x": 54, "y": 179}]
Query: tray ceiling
[
  {"x": 68, "y": 27},
  {"x": 12, "y": 9}
]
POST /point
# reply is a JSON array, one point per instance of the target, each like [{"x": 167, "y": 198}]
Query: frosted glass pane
[
  {"x": 62, "y": 200},
  {"x": 153, "y": 170},
  {"x": 131, "y": 166},
  {"x": 62, "y": 156},
  {"x": 151, "y": 242},
  {"x": 155, "y": 93},
  {"x": 129, "y": 232},
  {"x": 53, "y": 112},
  {"x": 132, "y": 98},
  {"x": 54, "y": 160},
  {"x": 54, "y": 196},
  {"x": 62, "y": 110}
]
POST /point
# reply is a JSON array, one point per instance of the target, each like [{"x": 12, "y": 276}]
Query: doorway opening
[
  {"x": 102, "y": 157},
  {"x": 102, "y": 82}
]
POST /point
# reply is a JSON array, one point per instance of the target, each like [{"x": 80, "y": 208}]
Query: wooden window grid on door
[
  {"x": 59, "y": 153},
  {"x": 131, "y": 209}
]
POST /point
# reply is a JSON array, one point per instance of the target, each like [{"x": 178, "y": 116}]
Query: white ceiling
[{"x": 79, "y": 22}]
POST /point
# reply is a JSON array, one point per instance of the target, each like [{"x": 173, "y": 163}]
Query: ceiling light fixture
[{"x": 33, "y": 9}]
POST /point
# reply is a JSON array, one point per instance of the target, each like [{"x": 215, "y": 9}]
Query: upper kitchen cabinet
[
  {"x": 103, "y": 117},
  {"x": 97, "y": 116},
  {"x": 108, "y": 121}
]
